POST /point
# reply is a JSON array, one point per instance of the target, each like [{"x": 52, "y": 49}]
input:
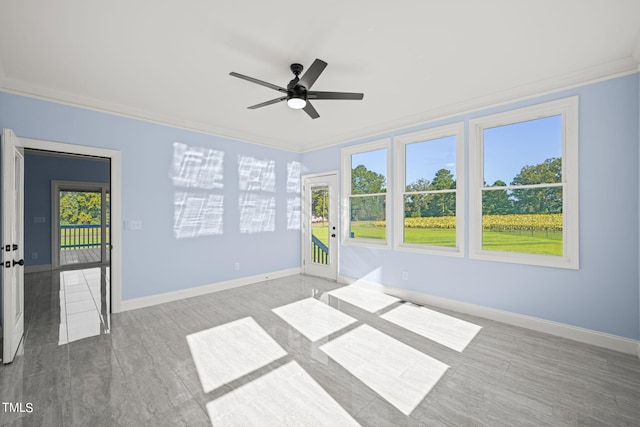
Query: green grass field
[
  {"x": 545, "y": 243},
  {"x": 531, "y": 243}
]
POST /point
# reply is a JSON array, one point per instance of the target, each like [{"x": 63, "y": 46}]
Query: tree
[
  {"x": 442, "y": 204},
  {"x": 364, "y": 181},
  {"x": 539, "y": 200},
  {"x": 416, "y": 205},
  {"x": 80, "y": 207},
  {"x": 320, "y": 204},
  {"x": 496, "y": 202}
]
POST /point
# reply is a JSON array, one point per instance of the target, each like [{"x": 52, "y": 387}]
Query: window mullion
[{"x": 525, "y": 186}]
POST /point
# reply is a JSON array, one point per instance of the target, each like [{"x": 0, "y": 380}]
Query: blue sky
[{"x": 507, "y": 149}]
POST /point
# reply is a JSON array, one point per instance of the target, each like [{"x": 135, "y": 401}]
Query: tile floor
[{"x": 298, "y": 351}]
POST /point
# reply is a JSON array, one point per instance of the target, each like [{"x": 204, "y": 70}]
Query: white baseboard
[
  {"x": 133, "y": 304},
  {"x": 575, "y": 333},
  {"x": 37, "y": 268}
]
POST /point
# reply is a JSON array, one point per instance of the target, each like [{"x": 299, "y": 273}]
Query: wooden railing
[
  {"x": 320, "y": 251},
  {"x": 81, "y": 236}
]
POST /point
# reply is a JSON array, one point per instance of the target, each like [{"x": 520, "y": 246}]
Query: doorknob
[{"x": 21, "y": 262}]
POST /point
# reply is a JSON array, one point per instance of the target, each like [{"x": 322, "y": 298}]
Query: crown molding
[
  {"x": 558, "y": 83},
  {"x": 61, "y": 97}
]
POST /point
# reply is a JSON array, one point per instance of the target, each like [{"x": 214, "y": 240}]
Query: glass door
[
  {"x": 320, "y": 226},
  {"x": 82, "y": 235}
]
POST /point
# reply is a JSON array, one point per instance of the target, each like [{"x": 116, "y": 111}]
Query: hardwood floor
[{"x": 291, "y": 351}]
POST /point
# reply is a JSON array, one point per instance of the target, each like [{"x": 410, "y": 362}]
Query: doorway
[
  {"x": 13, "y": 294},
  {"x": 320, "y": 225},
  {"x": 115, "y": 230},
  {"x": 81, "y": 218}
]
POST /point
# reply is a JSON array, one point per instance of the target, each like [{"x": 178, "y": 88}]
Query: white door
[
  {"x": 12, "y": 244},
  {"x": 320, "y": 225}
]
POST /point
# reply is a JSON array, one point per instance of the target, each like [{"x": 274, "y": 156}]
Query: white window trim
[
  {"x": 568, "y": 108},
  {"x": 400, "y": 142},
  {"x": 346, "y": 154}
]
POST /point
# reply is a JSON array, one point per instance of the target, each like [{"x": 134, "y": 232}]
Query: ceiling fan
[{"x": 297, "y": 91}]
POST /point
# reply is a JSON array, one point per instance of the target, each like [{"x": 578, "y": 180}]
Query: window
[
  {"x": 429, "y": 196},
  {"x": 364, "y": 188},
  {"x": 523, "y": 201}
]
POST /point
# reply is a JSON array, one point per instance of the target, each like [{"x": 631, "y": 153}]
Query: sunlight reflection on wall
[
  {"x": 294, "y": 203},
  {"x": 257, "y": 213},
  {"x": 256, "y": 201},
  {"x": 256, "y": 175},
  {"x": 197, "y": 213},
  {"x": 197, "y": 167}
]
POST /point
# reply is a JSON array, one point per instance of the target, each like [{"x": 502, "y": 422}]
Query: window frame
[
  {"x": 568, "y": 109},
  {"x": 400, "y": 144},
  {"x": 346, "y": 154}
]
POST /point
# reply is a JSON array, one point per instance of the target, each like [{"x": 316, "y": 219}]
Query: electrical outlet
[
  {"x": 236, "y": 266},
  {"x": 405, "y": 275},
  {"x": 34, "y": 255}
]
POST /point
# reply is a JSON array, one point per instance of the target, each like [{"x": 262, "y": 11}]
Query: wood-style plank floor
[{"x": 289, "y": 352}]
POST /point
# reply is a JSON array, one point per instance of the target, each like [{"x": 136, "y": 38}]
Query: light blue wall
[
  {"x": 153, "y": 260},
  {"x": 39, "y": 171},
  {"x": 603, "y": 295}
]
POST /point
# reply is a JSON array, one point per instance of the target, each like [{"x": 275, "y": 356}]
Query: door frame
[
  {"x": 115, "y": 200},
  {"x": 79, "y": 186},
  {"x": 334, "y": 211}
]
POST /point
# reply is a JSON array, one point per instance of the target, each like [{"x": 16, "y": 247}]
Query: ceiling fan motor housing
[{"x": 295, "y": 90}]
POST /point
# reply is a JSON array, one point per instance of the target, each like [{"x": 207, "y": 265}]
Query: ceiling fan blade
[
  {"x": 264, "y": 104},
  {"x": 334, "y": 95},
  {"x": 312, "y": 74},
  {"x": 260, "y": 82},
  {"x": 311, "y": 111}
]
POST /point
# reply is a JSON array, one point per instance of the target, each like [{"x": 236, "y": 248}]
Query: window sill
[
  {"x": 431, "y": 250},
  {"x": 369, "y": 243},
  {"x": 527, "y": 259}
]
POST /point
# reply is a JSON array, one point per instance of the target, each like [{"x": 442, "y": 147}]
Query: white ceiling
[{"x": 415, "y": 60}]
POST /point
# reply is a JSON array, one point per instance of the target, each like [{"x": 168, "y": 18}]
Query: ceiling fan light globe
[{"x": 296, "y": 103}]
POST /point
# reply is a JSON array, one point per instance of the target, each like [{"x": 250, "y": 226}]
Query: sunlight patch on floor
[
  {"x": 81, "y": 305},
  {"x": 285, "y": 396},
  {"x": 230, "y": 351},
  {"x": 441, "y": 328},
  {"x": 365, "y": 299},
  {"x": 400, "y": 374},
  {"x": 313, "y": 319}
]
